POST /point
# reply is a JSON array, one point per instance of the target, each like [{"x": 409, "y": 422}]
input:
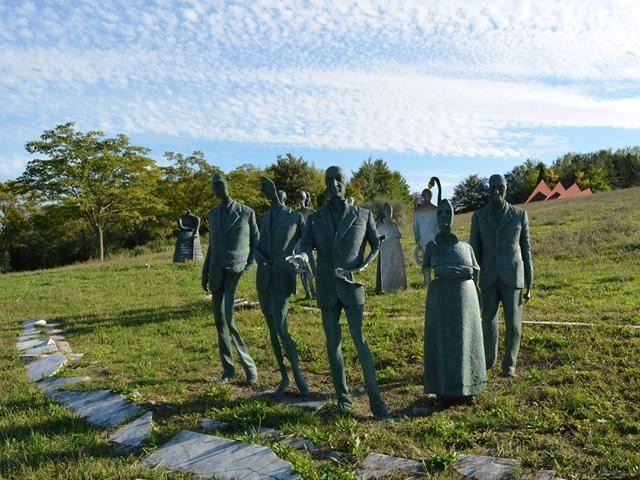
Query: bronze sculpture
[
  {"x": 232, "y": 240},
  {"x": 280, "y": 230},
  {"x": 454, "y": 360},
  {"x": 500, "y": 239},
  {"x": 338, "y": 232},
  {"x": 188, "y": 238}
]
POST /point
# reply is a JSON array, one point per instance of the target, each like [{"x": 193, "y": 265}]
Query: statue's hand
[
  {"x": 527, "y": 294},
  {"x": 347, "y": 275},
  {"x": 299, "y": 262},
  {"x": 460, "y": 272},
  {"x": 260, "y": 258}
]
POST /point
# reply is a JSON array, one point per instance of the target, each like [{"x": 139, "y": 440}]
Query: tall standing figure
[
  {"x": 280, "y": 230},
  {"x": 307, "y": 271},
  {"x": 233, "y": 237},
  {"x": 500, "y": 240},
  {"x": 339, "y": 233}
]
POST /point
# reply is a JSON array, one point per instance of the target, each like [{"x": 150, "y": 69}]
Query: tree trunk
[{"x": 100, "y": 238}]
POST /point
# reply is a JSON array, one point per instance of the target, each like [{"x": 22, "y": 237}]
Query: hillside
[{"x": 147, "y": 330}]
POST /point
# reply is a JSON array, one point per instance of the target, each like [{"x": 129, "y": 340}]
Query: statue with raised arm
[
  {"x": 391, "y": 274},
  {"x": 454, "y": 364},
  {"x": 339, "y": 232},
  {"x": 500, "y": 239},
  {"x": 280, "y": 230},
  {"x": 307, "y": 271},
  {"x": 233, "y": 239},
  {"x": 188, "y": 239}
]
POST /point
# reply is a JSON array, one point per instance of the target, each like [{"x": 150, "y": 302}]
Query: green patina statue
[
  {"x": 233, "y": 238},
  {"x": 338, "y": 232},
  {"x": 454, "y": 363},
  {"x": 500, "y": 239},
  {"x": 280, "y": 230}
]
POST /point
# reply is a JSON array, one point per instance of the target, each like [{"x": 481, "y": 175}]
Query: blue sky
[{"x": 447, "y": 88}]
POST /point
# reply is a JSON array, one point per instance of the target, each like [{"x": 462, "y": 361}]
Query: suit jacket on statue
[
  {"x": 502, "y": 249},
  {"x": 343, "y": 248},
  {"x": 280, "y": 230},
  {"x": 231, "y": 244}
]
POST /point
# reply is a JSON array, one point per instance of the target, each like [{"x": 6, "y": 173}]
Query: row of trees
[
  {"x": 600, "y": 171},
  {"x": 86, "y": 193}
]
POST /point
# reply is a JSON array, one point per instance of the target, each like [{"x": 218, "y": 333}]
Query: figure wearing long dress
[
  {"x": 188, "y": 245},
  {"x": 307, "y": 272},
  {"x": 391, "y": 274},
  {"x": 425, "y": 226},
  {"x": 454, "y": 361}
]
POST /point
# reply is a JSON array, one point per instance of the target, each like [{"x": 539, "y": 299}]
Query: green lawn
[{"x": 147, "y": 329}]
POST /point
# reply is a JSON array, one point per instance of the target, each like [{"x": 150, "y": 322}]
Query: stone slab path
[
  {"x": 101, "y": 408},
  {"x": 46, "y": 367},
  {"x": 209, "y": 456},
  {"x": 377, "y": 465},
  {"x": 129, "y": 437}
]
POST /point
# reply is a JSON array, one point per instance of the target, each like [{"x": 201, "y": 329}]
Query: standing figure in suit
[
  {"x": 307, "y": 271},
  {"x": 233, "y": 237},
  {"x": 500, "y": 240},
  {"x": 280, "y": 230},
  {"x": 339, "y": 232}
]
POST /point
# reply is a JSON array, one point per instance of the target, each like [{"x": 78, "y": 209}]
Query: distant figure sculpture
[
  {"x": 307, "y": 270},
  {"x": 391, "y": 274},
  {"x": 232, "y": 240},
  {"x": 454, "y": 363},
  {"x": 282, "y": 196},
  {"x": 188, "y": 239},
  {"x": 280, "y": 230},
  {"x": 339, "y": 232},
  {"x": 351, "y": 201},
  {"x": 425, "y": 223},
  {"x": 500, "y": 239}
]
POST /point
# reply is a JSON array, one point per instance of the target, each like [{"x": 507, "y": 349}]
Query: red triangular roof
[{"x": 541, "y": 192}]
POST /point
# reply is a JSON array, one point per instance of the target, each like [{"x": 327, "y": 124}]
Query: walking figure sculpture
[
  {"x": 339, "y": 233},
  {"x": 280, "y": 230}
]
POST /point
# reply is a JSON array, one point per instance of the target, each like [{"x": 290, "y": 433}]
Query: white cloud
[{"x": 449, "y": 78}]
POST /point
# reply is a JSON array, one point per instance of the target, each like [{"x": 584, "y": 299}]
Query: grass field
[{"x": 147, "y": 330}]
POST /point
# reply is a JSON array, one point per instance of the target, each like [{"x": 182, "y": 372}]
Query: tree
[
  {"x": 522, "y": 180},
  {"x": 244, "y": 186},
  {"x": 14, "y": 220},
  {"x": 101, "y": 180},
  {"x": 291, "y": 174},
  {"x": 470, "y": 194},
  {"x": 375, "y": 179}
]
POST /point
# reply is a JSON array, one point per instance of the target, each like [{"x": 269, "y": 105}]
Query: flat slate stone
[
  {"x": 29, "y": 344},
  {"x": 27, "y": 324},
  {"x": 377, "y": 465},
  {"x": 209, "y": 456},
  {"x": 130, "y": 436},
  {"x": 480, "y": 467},
  {"x": 99, "y": 407},
  {"x": 300, "y": 443},
  {"x": 50, "y": 385},
  {"x": 38, "y": 351},
  {"x": 30, "y": 335},
  {"x": 45, "y": 367},
  {"x": 311, "y": 403},
  {"x": 53, "y": 325}
]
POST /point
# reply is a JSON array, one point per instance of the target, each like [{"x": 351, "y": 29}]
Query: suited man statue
[
  {"x": 280, "y": 230},
  {"x": 500, "y": 240},
  {"x": 339, "y": 231},
  {"x": 233, "y": 238}
]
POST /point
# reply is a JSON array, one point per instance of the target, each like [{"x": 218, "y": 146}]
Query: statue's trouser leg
[
  {"x": 490, "y": 302},
  {"x": 281, "y": 319},
  {"x": 512, "y": 304},
  {"x": 266, "y": 305},
  {"x": 230, "y": 283},
  {"x": 303, "y": 279},
  {"x": 332, "y": 332},
  {"x": 224, "y": 341},
  {"x": 354, "y": 318}
]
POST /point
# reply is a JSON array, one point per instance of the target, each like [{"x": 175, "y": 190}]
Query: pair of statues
[
  {"x": 500, "y": 253},
  {"x": 338, "y": 232}
]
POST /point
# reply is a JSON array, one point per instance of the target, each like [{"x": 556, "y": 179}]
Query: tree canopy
[{"x": 470, "y": 194}]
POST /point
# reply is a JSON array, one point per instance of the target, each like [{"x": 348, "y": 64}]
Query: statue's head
[
  {"x": 336, "y": 182},
  {"x": 387, "y": 211},
  {"x": 497, "y": 190},
  {"x": 219, "y": 185},
  {"x": 282, "y": 196},
  {"x": 188, "y": 212},
  {"x": 426, "y": 196},
  {"x": 301, "y": 197},
  {"x": 268, "y": 188},
  {"x": 445, "y": 216}
]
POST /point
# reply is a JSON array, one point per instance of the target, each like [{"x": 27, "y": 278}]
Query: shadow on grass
[{"x": 85, "y": 324}]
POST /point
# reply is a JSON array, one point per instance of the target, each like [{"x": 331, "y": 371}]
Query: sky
[{"x": 442, "y": 88}]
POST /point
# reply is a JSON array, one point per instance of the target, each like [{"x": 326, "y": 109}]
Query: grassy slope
[{"x": 147, "y": 329}]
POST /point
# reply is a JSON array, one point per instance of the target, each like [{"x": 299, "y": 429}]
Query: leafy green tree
[
  {"x": 14, "y": 222},
  {"x": 100, "y": 180},
  {"x": 623, "y": 167},
  {"x": 522, "y": 179},
  {"x": 291, "y": 174},
  {"x": 374, "y": 179},
  {"x": 186, "y": 184},
  {"x": 470, "y": 194},
  {"x": 244, "y": 186}
]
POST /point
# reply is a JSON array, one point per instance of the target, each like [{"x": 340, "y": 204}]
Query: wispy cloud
[{"x": 446, "y": 78}]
